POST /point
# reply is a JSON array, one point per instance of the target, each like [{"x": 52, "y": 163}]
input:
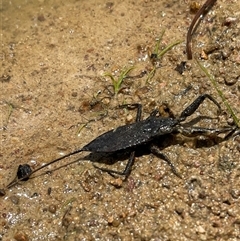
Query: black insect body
[
  {"x": 132, "y": 135},
  {"x": 129, "y": 137},
  {"x": 145, "y": 131}
]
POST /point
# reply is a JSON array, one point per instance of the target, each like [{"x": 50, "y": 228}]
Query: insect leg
[
  {"x": 134, "y": 106},
  {"x": 131, "y": 159},
  {"x": 233, "y": 133},
  {"x": 156, "y": 151},
  {"x": 130, "y": 162},
  {"x": 126, "y": 171},
  {"x": 196, "y": 131},
  {"x": 195, "y": 104},
  {"x": 154, "y": 113}
]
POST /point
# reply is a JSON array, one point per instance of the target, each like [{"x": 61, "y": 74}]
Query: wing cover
[{"x": 131, "y": 135}]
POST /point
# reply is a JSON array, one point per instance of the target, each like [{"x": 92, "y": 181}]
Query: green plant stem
[
  {"x": 118, "y": 82},
  {"x": 220, "y": 93},
  {"x": 169, "y": 47}
]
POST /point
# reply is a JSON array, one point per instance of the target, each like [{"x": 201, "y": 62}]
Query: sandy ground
[{"x": 55, "y": 98}]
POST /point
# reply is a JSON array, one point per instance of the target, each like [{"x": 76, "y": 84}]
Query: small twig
[{"x": 204, "y": 9}]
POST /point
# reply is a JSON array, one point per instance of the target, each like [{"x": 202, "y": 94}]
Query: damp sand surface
[{"x": 55, "y": 98}]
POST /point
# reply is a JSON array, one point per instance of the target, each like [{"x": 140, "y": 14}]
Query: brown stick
[{"x": 205, "y": 8}]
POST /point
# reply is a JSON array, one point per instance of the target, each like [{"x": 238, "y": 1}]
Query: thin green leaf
[
  {"x": 220, "y": 93},
  {"x": 158, "y": 43},
  {"x": 169, "y": 47},
  {"x": 118, "y": 83}
]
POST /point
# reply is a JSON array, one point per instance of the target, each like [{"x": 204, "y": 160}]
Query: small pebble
[
  {"x": 41, "y": 18},
  {"x": 115, "y": 222},
  {"x": 129, "y": 119},
  {"x": 14, "y": 199},
  {"x": 117, "y": 182},
  {"x": 194, "y": 7},
  {"x": 179, "y": 210},
  {"x": 230, "y": 81},
  {"x": 52, "y": 208},
  {"x": 235, "y": 193},
  {"x": 204, "y": 55},
  {"x": 21, "y": 236},
  {"x": 200, "y": 229}
]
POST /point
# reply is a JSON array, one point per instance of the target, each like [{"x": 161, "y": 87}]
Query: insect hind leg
[
  {"x": 156, "y": 151},
  {"x": 126, "y": 171}
]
